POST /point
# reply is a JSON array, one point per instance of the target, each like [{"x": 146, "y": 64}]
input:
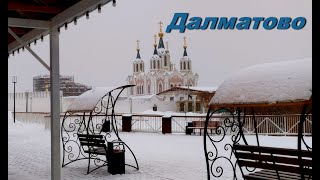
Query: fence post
[
  {"x": 166, "y": 124},
  {"x": 126, "y": 122}
]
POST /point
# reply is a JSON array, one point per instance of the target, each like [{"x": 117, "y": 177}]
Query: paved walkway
[{"x": 160, "y": 157}]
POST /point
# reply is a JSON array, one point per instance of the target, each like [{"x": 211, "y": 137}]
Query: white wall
[
  {"x": 40, "y": 102},
  {"x": 37, "y": 101},
  {"x": 140, "y": 105}
]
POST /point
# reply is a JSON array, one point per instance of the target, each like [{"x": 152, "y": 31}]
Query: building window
[
  {"x": 181, "y": 107},
  {"x": 184, "y": 65},
  {"x": 141, "y": 67},
  {"x": 160, "y": 88},
  {"x": 142, "y": 89},
  {"x": 154, "y": 64},
  {"x": 165, "y": 60},
  {"x": 180, "y": 65},
  {"x": 190, "y": 107},
  {"x": 197, "y": 106},
  {"x": 188, "y": 65},
  {"x": 181, "y": 98},
  {"x": 158, "y": 64},
  {"x": 171, "y": 85},
  {"x": 171, "y": 98}
]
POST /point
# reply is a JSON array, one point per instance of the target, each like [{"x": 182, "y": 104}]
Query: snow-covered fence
[
  {"x": 267, "y": 124},
  {"x": 277, "y": 124},
  {"x": 146, "y": 123}
]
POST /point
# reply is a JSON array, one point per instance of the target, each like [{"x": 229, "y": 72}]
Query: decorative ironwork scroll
[
  {"x": 221, "y": 161},
  {"x": 100, "y": 121}
]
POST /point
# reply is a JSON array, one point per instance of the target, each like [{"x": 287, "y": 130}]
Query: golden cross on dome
[
  {"x": 138, "y": 44},
  {"x": 160, "y": 26}
]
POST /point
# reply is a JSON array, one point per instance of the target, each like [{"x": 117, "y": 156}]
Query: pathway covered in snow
[{"x": 160, "y": 157}]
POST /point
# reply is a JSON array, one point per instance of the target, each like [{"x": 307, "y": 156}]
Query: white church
[{"x": 162, "y": 74}]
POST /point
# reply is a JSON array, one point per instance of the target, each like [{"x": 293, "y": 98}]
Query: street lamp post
[
  {"x": 14, "y": 81},
  {"x": 27, "y": 97}
]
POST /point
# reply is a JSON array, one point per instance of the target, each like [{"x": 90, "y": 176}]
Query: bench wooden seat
[
  {"x": 274, "y": 163},
  {"x": 199, "y": 125},
  {"x": 93, "y": 144}
]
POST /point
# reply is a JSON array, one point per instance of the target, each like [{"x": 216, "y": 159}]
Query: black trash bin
[
  {"x": 116, "y": 158},
  {"x": 189, "y": 131}
]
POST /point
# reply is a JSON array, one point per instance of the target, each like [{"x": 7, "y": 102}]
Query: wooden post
[
  {"x": 126, "y": 122},
  {"x": 166, "y": 124}
]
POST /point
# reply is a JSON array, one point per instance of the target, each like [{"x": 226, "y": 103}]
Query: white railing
[{"x": 266, "y": 124}]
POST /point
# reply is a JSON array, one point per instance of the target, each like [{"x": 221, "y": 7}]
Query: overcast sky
[{"x": 100, "y": 51}]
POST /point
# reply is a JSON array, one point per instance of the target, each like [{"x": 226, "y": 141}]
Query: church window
[
  {"x": 171, "y": 85},
  {"x": 142, "y": 89},
  {"x": 188, "y": 65},
  {"x": 180, "y": 65},
  {"x": 158, "y": 64},
  {"x": 141, "y": 67},
  {"x": 165, "y": 60},
  {"x": 160, "y": 88},
  {"x": 154, "y": 64},
  {"x": 184, "y": 65}
]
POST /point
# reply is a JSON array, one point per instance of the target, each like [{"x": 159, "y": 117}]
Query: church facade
[{"x": 162, "y": 73}]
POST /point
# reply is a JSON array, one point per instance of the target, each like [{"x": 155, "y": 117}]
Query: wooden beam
[
  {"x": 24, "y": 7},
  {"x": 28, "y": 23}
]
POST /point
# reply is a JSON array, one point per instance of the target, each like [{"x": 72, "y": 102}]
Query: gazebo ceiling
[
  {"x": 35, "y": 9},
  {"x": 32, "y": 19}
]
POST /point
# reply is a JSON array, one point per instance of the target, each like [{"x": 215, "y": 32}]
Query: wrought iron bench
[
  {"x": 94, "y": 145},
  {"x": 274, "y": 163},
  {"x": 89, "y": 131}
]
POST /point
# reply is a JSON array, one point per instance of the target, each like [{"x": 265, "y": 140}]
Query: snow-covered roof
[
  {"x": 192, "y": 88},
  {"x": 269, "y": 83},
  {"x": 89, "y": 99},
  {"x": 144, "y": 97},
  {"x": 201, "y": 88}
]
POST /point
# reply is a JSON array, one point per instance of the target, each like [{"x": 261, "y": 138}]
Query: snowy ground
[{"x": 160, "y": 157}]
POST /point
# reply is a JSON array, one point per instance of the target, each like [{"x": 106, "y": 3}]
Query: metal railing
[{"x": 266, "y": 124}]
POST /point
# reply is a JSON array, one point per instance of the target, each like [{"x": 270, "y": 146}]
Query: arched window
[
  {"x": 165, "y": 60},
  {"x": 150, "y": 64},
  {"x": 171, "y": 85},
  {"x": 188, "y": 65},
  {"x": 184, "y": 65},
  {"x": 158, "y": 64},
  {"x": 142, "y": 89},
  {"x": 149, "y": 89},
  {"x": 160, "y": 87},
  {"x": 141, "y": 67},
  {"x": 180, "y": 65}
]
